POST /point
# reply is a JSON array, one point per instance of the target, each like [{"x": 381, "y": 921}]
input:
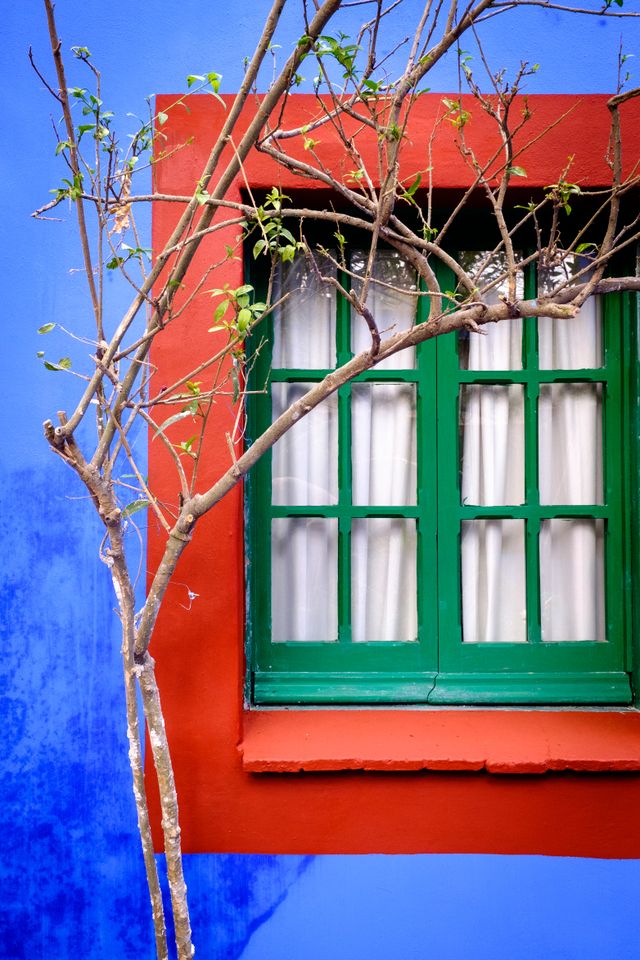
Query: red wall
[{"x": 198, "y": 644}]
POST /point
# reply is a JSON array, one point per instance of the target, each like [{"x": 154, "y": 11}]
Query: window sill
[{"x": 497, "y": 740}]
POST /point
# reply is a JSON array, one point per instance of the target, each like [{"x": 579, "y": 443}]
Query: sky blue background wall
[{"x": 70, "y": 872}]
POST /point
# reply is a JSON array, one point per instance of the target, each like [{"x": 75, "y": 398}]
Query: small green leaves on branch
[
  {"x": 275, "y": 241},
  {"x": 343, "y": 54},
  {"x": 408, "y": 194},
  {"x": 244, "y": 313},
  {"x": 207, "y": 82},
  {"x": 456, "y": 114},
  {"x": 63, "y": 364},
  {"x": 46, "y": 328},
  {"x": 561, "y": 192},
  {"x": 131, "y": 253},
  {"x": 72, "y": 190}
]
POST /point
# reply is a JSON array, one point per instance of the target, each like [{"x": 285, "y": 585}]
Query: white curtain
[
  {"x": 493, "y": 567},
  {"x": 383, "y": 455},
  {"x": 570, "y": 454},
  {"x": 570, "y": 473},
  {"x": 383, "y": 549},
  {"x": 304, "y": 550}
]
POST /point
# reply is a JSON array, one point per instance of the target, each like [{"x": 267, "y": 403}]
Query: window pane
[
  {"x": 304, "y": 327},
  {"x": 492, "y": 444},
  {"x": 575, "y": 343},
  {"x": 493, "y": 581},
  {"x": 572, "y": 580},
  {"x": 383, "y": 580},
  {"x": 392, "y": 309},
  {"x": 304, "y": 579},
  {"x": 383, "y": 450},
  {"x": 304, "y": 464},
  {"x": 570, "y": 430},
  {"x": 499, "y": 347}
]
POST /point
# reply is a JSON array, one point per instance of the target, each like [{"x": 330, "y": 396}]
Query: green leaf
[
  {"x": 63, "y": 364},
  {"x": 220, "y": 311},
  {"x": 244, "y": 319},
  {"x": 214, "y": 80},
  {"x": 170, "y": 421},
  {"x": 517, "y": 171},
  {"x": 135, "y": 506},
  {"x": 409, "y": 192},
  {"x": 186, "y": 445},
  {"x": 585, "y": 246},
  {"x": 162, "y": 118},
  {"x": 40, "y": 353},
  {"x": 194, "y": 78},
  {"x": 46, "y": 328},
  {"x": 287, "y": 254},
  {"x": 258, "y": 247}
]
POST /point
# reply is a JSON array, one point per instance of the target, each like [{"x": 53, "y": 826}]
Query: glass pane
[
  {"x": 575, "y": 343},
  {"x": 494, "y": 606},
  {"x": 383, "y": 580},
  {"x": 492, "y": 444},
  {"x": 392, "y": 308},
  {"x": 499, "y": 347},
  {"x": 572, "y": 580},
  {"x": 304, "y": 465},
  {"x": 570, "y": 443},
  {"x": 383, "y": 449},
  {"x": 304, "y": 579},
  {"x": 304, "y": 327}
]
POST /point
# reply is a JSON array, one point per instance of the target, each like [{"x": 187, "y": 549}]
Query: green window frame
[{"x": 439, "y": 668}]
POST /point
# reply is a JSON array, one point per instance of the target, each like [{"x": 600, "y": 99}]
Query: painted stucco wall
[{"x": 70, "y": 873}]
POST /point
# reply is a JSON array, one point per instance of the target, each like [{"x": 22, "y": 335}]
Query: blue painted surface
[{"x": 70, "y": 872}]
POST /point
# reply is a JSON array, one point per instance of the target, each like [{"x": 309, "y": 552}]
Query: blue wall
[{"x": 70, "y": 873}]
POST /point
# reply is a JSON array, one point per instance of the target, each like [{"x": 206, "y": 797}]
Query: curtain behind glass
[{"x": 570, "y": 472}]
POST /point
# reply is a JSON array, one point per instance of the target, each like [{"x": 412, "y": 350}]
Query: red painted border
[{"x": 199, "y": 651}]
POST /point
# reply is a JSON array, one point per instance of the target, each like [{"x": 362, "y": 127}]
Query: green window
[{"x": 454, "y": 525}]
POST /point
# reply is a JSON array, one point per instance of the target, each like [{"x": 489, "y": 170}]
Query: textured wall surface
[{"x": 70, "y": 872}]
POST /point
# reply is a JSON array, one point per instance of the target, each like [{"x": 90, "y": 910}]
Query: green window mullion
[
  {"x": 532, "y": 492},
  {"x": 295, "y": 375},
  {"x": 613, "y": 444},
  {"x": 344, "y": 521},
  {"x": 632, "y": 565},
  {"x": 258, "y": 536},
  {"x": 532, "y": 496},
  {"x": 447, "y": 491},
  {"x": 343, "y": 323},
  {"x": 427, "y": 477}
]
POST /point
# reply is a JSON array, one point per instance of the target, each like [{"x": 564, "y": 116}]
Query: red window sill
[{"x": 498, "y": 741}]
